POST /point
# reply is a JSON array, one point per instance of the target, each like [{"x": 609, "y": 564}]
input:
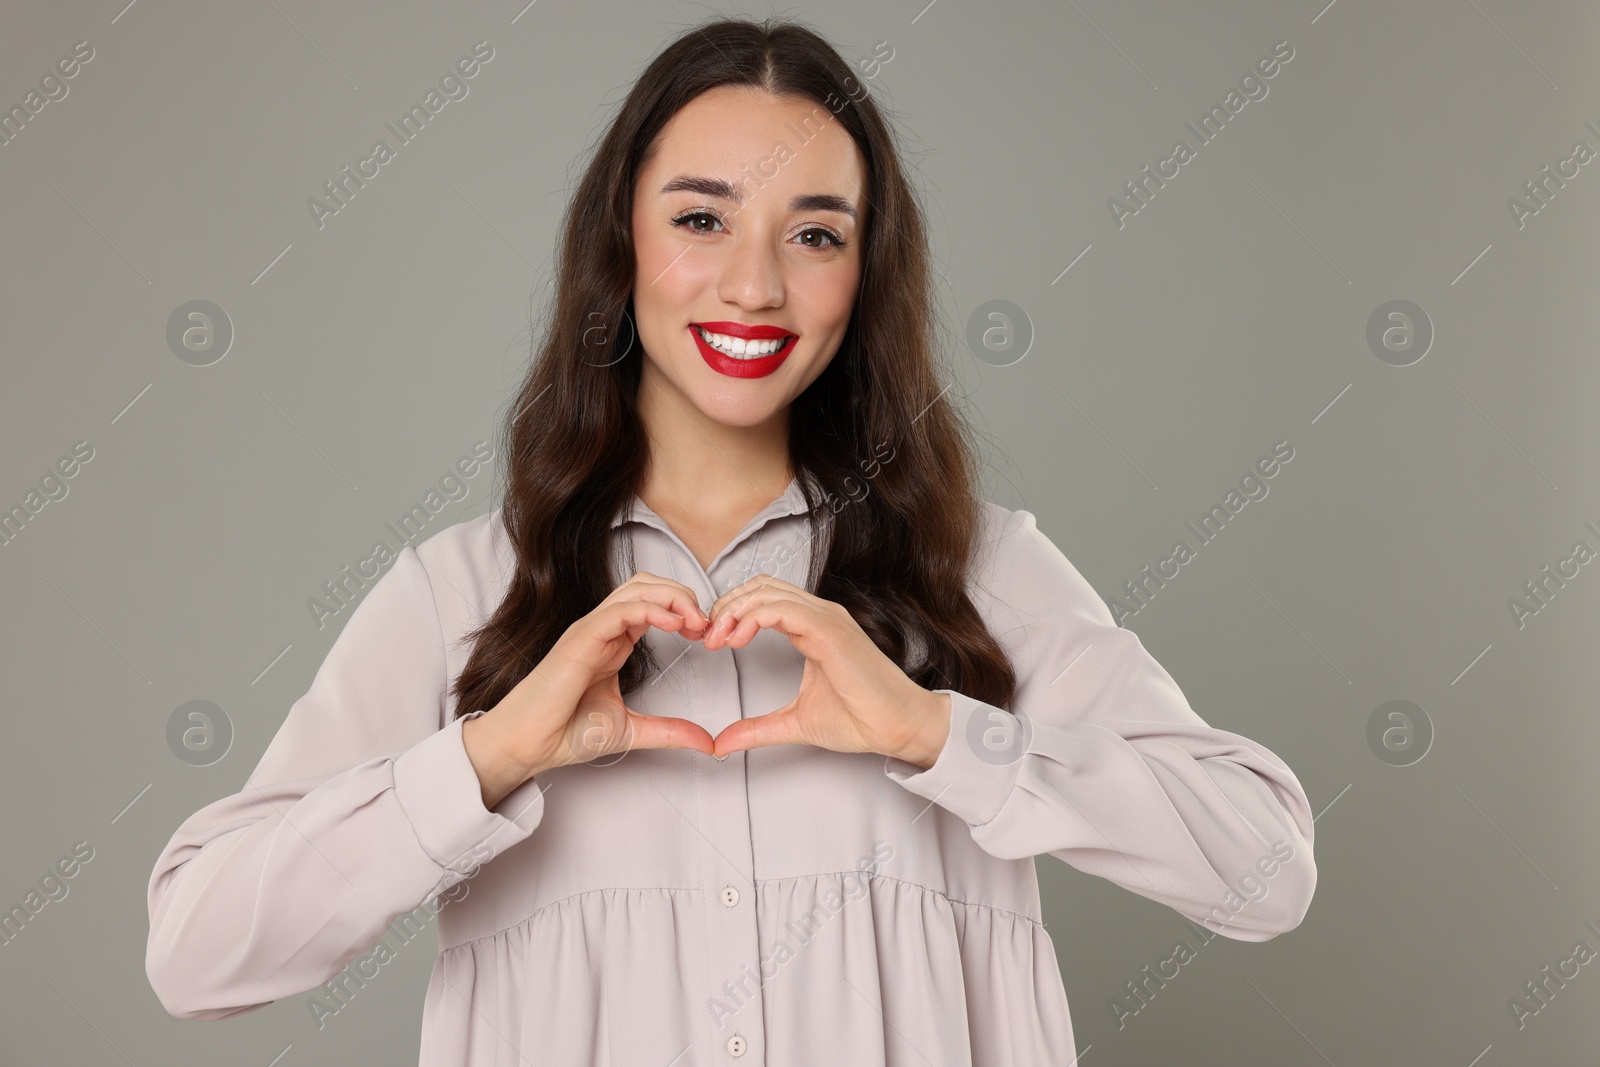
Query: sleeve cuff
[
  {"x": 440, "y": 793},
  {"x": 977, "y": 767}
]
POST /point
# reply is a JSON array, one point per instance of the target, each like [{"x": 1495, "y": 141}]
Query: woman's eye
[
  {"x": 693, "y": 215},
  {"x": 837, "y": 242},
  {"x": 812, "y": 237}
]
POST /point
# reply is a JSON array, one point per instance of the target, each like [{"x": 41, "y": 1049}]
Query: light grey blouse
[{"x": 788, "y": 906}]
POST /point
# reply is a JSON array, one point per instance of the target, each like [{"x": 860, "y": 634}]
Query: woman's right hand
[{"x": 569, "y": 708}]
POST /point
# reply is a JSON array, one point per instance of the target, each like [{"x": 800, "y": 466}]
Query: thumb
[
  {"x": 780, "y": 727},
  {"x": 666, "y": 731}
]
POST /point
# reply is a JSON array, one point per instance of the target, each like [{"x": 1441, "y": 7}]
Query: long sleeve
[
  {"x": 361, "y": 809},
  {"x": 1108, "y": 768}
]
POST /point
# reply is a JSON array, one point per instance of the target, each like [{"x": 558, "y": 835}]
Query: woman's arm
[
  {"x": 1113, "y": 772},
  {"x": 361, "y": 809}
]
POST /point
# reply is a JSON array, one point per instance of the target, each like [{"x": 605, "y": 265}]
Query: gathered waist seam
[{"x": 759, "y": 881}]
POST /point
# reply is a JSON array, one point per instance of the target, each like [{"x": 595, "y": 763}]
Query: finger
[
  {"x": 754, "y": 585},
  {"x": 739, "y": 600},
  {"x": 645, "y": 577},
  {"x": 796, "y": 619},
  {"x": 779, "y": 727},
  {"x": 729, "y": 619},
  {"x": 646, "y": 580},
  {"x": 724, "y": 620},
  {"x": 678, "y": 599},
  {"x": 631, "y": 618},
  {"x": 675, "y": 596}
]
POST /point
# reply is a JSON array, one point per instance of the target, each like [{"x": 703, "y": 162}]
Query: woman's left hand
[{"x": 852, "y": 697}]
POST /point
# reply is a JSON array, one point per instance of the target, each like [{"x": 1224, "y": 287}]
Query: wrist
[
  {"x": 497, "y": 774},
  {"x": 933, "y": 734}
]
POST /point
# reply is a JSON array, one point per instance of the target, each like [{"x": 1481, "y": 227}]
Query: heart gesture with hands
[
  {"x": 852, "y": 697},
  {"x": 569, "y": 708}
]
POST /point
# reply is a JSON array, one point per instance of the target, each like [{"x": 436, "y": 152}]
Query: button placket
[
  {"x": 720, "y": 817},
  {"x": 735, "y": 942}
]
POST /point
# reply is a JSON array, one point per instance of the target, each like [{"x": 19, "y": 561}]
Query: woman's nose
[{"x": 752, "y": 274}]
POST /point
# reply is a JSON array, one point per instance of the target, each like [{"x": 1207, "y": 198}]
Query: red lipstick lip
[
  {"x": 727, "y": 365},
  {"x": 748, "y": 333}
]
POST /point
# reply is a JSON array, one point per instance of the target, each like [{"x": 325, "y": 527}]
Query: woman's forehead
[{"x": 736, "y": 134}]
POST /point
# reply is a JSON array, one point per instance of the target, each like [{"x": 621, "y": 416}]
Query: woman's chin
[{"x": 741, "y": 412}]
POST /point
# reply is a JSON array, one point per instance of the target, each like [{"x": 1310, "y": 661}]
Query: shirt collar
[{"x": 792, "y": 502}]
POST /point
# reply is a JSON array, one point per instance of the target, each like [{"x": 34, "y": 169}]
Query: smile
[{"x": 742, "y": 351}]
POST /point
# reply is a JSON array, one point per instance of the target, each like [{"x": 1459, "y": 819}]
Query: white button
[
  {"x": 730, "y": 895},
  {"x": 737, "y": 1045}
]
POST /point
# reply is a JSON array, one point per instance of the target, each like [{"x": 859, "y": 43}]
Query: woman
[{"x": 732, "y": 735}]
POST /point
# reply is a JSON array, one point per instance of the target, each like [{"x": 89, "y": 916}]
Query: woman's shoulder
[
  {"x": 1004, "y": 534},
  {"x": 468, "y": 561},
  {"x": 466, "y": 542},
  {"x": 1019, "y": 563}
]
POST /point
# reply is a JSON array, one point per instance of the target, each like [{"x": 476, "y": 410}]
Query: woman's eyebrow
[{"x": 725, "y": 190}]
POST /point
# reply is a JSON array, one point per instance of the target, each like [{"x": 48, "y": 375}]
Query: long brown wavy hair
[{"x": 896, "y": 557}]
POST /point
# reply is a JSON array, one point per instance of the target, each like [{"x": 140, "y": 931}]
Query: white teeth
[{"x": 738, "y": 347}]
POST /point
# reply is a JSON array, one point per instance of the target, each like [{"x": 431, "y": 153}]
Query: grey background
[{"x": 1229, "y": 314}]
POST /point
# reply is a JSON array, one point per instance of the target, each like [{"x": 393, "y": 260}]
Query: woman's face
[{"x": 747, "y": 225}]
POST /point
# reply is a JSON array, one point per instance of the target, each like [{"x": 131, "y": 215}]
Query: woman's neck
[{"x": 699, "y": 465}]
